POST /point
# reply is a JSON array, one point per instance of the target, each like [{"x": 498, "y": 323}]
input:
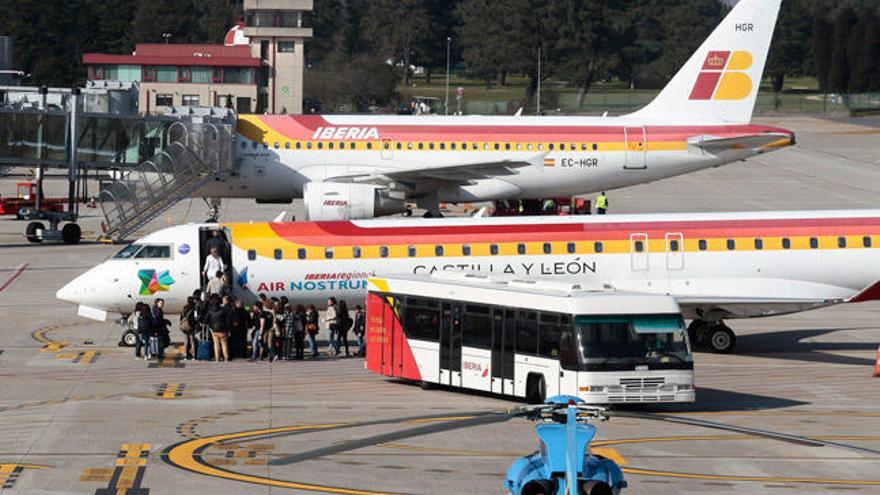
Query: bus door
[
  {"x": 674, "y": 251},
  {"x": 503, "y": 331},
  {"x": 450, "y": 344},
  {"x": 638, "y": 247}
]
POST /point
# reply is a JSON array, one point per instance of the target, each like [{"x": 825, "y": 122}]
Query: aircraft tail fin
[{"x": 719, "y": 83}]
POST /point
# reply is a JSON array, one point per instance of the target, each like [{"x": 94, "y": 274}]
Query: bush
[{"x": 350, "y": 85}]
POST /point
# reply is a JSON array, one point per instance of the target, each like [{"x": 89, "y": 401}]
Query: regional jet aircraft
[
  {"x": 717, "y": 265},
  {"x": 352, "y": 167}
]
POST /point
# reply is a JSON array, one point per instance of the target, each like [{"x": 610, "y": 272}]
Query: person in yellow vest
[{"x": 601, "y": 204}]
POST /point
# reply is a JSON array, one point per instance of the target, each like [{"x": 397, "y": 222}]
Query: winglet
[{"x": 869, "y": 293}]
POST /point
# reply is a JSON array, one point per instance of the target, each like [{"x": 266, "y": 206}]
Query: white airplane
[
  {"x": 717, "y": 265},
  {"x": 355, "y": 166}
]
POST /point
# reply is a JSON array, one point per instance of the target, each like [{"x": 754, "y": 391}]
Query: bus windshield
[{"x": 657, "y": 342}]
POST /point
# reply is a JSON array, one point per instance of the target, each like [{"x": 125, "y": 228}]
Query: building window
[
  {"x": 190, "y": 100},
  {"x": 164, "y": 100},
  {"x": 166, "y": 73},
  {"x": 238, "y": 75},
  {"x": 148, "y": 73},
  {"x": 217, "y": 75},
  {"x": 183, "y": 74},
  {"x": 286, "y": 47},
  {"x": 201, "y": 75},
  {"x": 287, "y": 145}
]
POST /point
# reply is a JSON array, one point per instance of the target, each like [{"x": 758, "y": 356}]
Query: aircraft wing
[
  {"x": 749, "y": 307},
  {"x": 460, "y": 173},
  {"x": 763, "y": 141}
]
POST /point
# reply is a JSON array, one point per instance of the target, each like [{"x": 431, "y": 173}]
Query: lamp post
[
  {"x": 448, "y": 53},
  {"x": 538, "y": 106},
  {"x": 167, "y": 37}
]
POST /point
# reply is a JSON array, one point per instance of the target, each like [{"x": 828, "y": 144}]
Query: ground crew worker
[{"x": 601, "y": 204}]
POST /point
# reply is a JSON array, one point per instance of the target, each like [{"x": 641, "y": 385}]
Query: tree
[
  {"x": 790, "y": 54},
  {"x": 395, "y": 30},
  {"x": 153, "y": 18},
  {"x": 217, "y": 17},
  {"x": 485, "y": 35},
  {"x": 840, "y": 70}
]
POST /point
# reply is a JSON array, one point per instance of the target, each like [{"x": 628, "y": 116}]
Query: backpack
[{"x": 188, "y": 321}]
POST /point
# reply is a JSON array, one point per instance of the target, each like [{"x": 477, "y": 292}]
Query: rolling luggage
[
  {"x": 154, "y": 346},
  {"x": 204, "y": 347}
]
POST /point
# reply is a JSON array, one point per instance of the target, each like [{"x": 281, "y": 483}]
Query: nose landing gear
[{"x": 714, "y": 336}]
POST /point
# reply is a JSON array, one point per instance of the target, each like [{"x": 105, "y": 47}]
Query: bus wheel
[
  {"x": 426, "y": 385},
  {"x": 536, "y": 389},
  {"x": 721, "y": 339}
]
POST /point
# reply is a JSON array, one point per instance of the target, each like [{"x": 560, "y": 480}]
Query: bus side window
[
  {"x": 568, "y": 357},
  {"x": 421, "y": 319},
  {"x": 526, "y": 332},
  {"x": 477, "y": 327},
  {"x": 548, "y": 335}
]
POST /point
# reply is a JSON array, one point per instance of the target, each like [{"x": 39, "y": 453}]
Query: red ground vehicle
[
  {"x": 549, "y": 206},
  {"x": 26, "y": 198}
]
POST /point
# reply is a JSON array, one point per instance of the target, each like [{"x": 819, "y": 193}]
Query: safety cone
[
  {"x": 877, "y": 364},
  {"x": 92, "y": 202}
]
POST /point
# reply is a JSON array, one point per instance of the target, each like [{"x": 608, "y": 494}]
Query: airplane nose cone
[{"x": 70, "y": 292}]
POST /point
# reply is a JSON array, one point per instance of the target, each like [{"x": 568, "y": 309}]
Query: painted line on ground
[{"x": 17, "y": 273}]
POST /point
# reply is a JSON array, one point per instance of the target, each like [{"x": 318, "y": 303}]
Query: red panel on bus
[{"x": 388, "y": 351}]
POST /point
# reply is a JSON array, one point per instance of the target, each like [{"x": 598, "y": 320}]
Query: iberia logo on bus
[{"x": 723, "y": 77}]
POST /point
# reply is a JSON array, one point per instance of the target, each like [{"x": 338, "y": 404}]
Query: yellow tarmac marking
[
  {"x": 9, "y": 473},
  {"x": 170, "y": 390}
]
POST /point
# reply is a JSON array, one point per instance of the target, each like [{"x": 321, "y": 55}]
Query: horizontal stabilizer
[
  {"x": 756, "y": 142},
  {"x": 869, "y": 293}
]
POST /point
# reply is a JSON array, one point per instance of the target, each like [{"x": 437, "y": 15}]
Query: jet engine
[{"x": 328, "y": 201}]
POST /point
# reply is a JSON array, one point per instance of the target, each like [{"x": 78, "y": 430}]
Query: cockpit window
[
  {"x": 128, "y": 251},
  {"x": 154, "y": 252}
]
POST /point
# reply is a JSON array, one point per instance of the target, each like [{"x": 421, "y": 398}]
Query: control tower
[{"x": 277, "y": 35}]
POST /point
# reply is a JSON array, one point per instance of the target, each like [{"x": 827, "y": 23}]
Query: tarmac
[{"x": 80, "y": 415}]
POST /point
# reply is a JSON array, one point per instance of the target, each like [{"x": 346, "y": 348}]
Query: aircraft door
[
  {"x": 450, "y": 344},
  {"x": 502, "y": 351},
  {"x": 387, "y": 149},
  {"x": 638, "y": 247},
  {"x": 674, "y": 251},
  {"x": 636, "y": 146}
]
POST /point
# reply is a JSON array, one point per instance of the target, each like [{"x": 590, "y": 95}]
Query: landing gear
[{"x": 713, "y": 336}]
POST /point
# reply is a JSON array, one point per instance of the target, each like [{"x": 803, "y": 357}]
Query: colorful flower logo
[{"x": 152, "y": 283}]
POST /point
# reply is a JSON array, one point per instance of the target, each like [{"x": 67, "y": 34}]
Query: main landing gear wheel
[
  {"x": 31, "y": 232},
  {"x": 129, "y": 339},
  {"x": 714, "y": 337}
]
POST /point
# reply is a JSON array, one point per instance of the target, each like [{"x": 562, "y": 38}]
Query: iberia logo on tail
[{"x": 723, "y": 76}]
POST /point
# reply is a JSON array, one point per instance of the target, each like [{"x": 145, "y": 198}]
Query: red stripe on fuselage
[{"x": 347, "y": 233}]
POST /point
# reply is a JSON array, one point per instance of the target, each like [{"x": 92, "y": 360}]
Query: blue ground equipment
[{"x": 565, "y": 435}]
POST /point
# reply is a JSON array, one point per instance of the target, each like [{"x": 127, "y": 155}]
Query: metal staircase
[{"x": 197, "y": 150}]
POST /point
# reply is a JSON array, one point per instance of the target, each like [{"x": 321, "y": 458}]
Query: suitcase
[
  {"x": 203, "y": 350},
  {"x": 154, "y": 346}
]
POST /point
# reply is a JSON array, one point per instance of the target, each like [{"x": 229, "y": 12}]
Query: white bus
[{"x": 529, "y": 338}]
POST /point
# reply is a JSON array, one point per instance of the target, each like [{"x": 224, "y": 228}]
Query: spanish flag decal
[{"x": 549, "y": 162}]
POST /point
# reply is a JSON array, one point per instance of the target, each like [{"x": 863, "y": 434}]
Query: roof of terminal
[{"x": 179, "y": 54}]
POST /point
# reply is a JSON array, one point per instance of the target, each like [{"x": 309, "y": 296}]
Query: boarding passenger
[
  {"x": 331, "y": 319},
  {"x": 360, "y": 328},
  {"x": 343, "y": 326},
  {"x": 311, "y": 317},
  {"x": 270, "y": 328},
  {"x": 218, "y": 321},
  {"x": 213, "y": 264},
  {"x": 216, "y": 284},
  {"x": 238, "y": 328},
  {"x": 143, "y": 328},
  {"x": 257, "y": 332},
  {"x": 188, "y": 325},
  {"x": 601, "y": 204},
  {"x": 293, "y": 326},
  {"x": 217, "y": 241},
  {"x": 160, "y": 327},
  {"x": 299, "y": 333}
]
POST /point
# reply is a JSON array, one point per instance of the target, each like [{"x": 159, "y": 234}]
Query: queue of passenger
[{"x": 217, "y": 326}]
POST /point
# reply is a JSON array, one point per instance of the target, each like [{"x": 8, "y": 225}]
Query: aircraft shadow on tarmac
[{"x": 790, "y": 345}]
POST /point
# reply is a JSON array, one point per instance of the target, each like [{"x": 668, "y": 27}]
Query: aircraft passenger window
[
  {"x": 254, "y": 145},
  {"x": 409, "y": 146},
  {"x": 421, "y": 146},
  {"x": 673, "y": 245},
  {"x": 298, "y": 145},
  {"x": 595, "y": 146},
  {"x": 703, "y": 245},
  {"x": 383, "y": 251},
  {"x": 431, "y": 146},
  {"x": 571, "y": 248},
  {"x": 301, "y": 253},
  {"x": 598, "y": 247},
  {"x": 529, "y": 146},
  {"x": 562, "y": 147},
  {"x": 399, "y": 146},
  {"x": 466, "y": 250},
  {"x": 540, "y": 146},
  {"x": 521, "y": 248},
  {"x": 583, "y": 146},
  {"x": 438, "y": 250},
  {"x": 640, "y": 246},
  {"x": 330, "y": 145},
  {"x": 279, "y": 254},
  {"x": 759, "y": 244},
  {"x": 550, "y": 146},
  {"x": 519, "y": 146},
  {"x": 243, "y": 145},
  {"x": 507, "y": 146},
  {"x": 252, "y": 254},
  {"x": 497, "y": 146},
  {"x": 814, "y": 243},
  {"x": 572, "y": 147},
  {"x": 866, "y": 241},
  {"x": 786, "y": 243},
  {"x": 452, "y": 146},
  {"x": 411, "y": 251},
  {"x": 328, "y": 253},
  {"x": 442, "y": 146},
  {"x": 731, "y": 244},
  {"x": 548, "y": 248},
  {"x": 386, "y": 145},
  {"x": 128, "y": 251},
  {"x": 841, "y": 242},
  {"x": 309, "y": 145},
  {"x": 277, "y": 145},
  {"x": 493, "y": 249},
  {"x": 287, "y": 145},
  {"x": 369, "y": 145},
  {"x": 265, "y": 146},
  {"x": 154, "y": 252},
  {"x": 356, "y": 252}
]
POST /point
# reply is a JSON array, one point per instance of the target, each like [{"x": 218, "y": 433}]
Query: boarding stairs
[{"x": 197, "y": 150}]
